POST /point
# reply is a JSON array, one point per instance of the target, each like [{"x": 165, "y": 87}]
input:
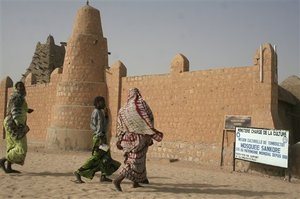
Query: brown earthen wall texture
[
  {"x": 112, "y": 100},
  {"x": 191, "y": 106},
  {"x": 39, "y": 98}
]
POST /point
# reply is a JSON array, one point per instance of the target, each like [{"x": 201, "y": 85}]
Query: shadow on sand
[
  {"x": 47, "y": 173},
  {"x": 178, "y": 188},
  {"x": 204, "y": 189}
]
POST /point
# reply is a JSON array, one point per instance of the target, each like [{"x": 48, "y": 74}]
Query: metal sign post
[{"x": 230, "y": 122}]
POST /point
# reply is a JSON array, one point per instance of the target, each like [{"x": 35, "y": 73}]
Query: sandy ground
[{"x": 48, "y": 174}]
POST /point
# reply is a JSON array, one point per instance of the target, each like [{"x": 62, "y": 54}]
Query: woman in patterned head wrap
[
  {"x": 135, "y": 133},
  {"x": 16, "y": 129}
]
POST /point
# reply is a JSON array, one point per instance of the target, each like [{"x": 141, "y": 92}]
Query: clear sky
[{"x": 146, "y": 34}]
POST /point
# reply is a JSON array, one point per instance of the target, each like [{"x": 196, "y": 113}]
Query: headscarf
[{"x": 136, "y": 117}]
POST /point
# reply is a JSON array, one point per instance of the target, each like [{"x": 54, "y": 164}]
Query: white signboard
[{"x": 266, "y": 146}]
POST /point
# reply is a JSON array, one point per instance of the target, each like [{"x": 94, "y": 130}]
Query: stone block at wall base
[{"x": 68, "y": 139}]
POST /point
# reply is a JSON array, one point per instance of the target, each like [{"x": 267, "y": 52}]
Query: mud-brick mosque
[{"x": 189, "y": 106}]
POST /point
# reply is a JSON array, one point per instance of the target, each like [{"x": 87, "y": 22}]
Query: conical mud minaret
[{"x": 82, "y": 79}]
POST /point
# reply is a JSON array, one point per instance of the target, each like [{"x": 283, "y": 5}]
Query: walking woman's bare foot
[
  {"x": 117, "y": 185},
  {"x": 136, "y": 185},
  {"x": 2, "y": 164},
  {"x": 78, "y": 178}
]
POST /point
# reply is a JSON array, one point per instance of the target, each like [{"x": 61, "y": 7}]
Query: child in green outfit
[{"x": 101, "y": 159}]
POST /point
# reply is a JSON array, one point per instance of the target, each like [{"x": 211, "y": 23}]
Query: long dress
[
  {"x": 135, "y": 147},
  {"x": 16, "y": 148},
  {"x": 135, "y": 133}
]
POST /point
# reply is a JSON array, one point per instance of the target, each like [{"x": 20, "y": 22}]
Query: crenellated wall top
[
  {"x": 180, "y": 64},
  {"x": 6, "y": 82}
]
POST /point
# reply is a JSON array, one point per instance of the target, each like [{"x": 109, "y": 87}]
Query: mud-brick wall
[
  {"x": 113, "y": 82},
  {"x": 189, "y": 107},
  {"x": 5, "y": 84},
  {"x": 40, "y": 99}
]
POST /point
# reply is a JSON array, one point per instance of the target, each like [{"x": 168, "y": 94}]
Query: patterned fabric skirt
[{"x": 135, "y": 147}]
